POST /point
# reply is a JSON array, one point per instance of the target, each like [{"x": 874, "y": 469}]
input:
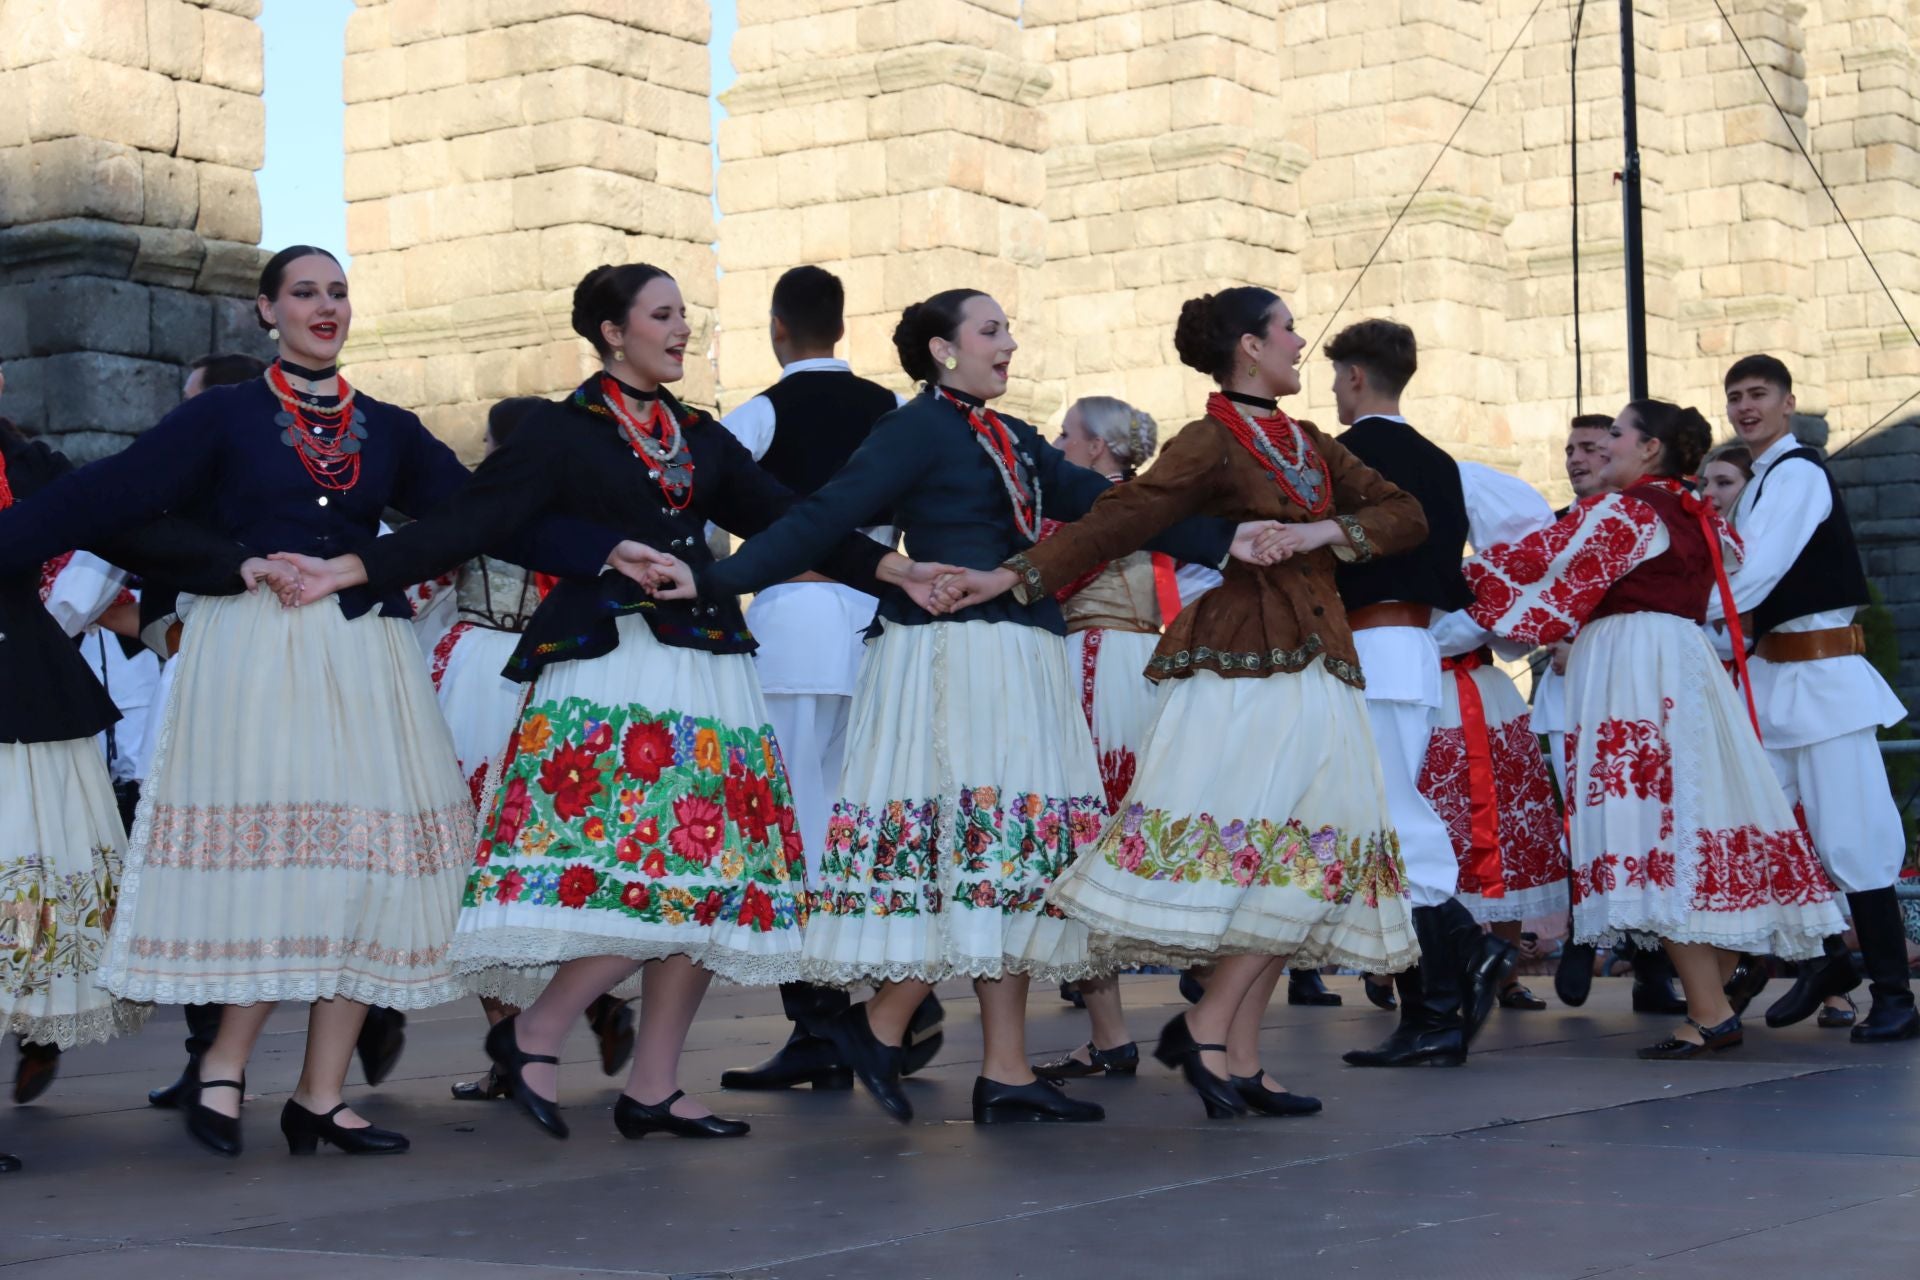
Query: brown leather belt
[
  {"x": 1811, "y": 646},
  {"x": 1394, "y": 613}
]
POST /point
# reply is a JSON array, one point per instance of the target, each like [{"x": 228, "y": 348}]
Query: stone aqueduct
[{"x": 1091, "y": 162}]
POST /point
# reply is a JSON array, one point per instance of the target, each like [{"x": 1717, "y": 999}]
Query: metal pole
[{"x": 1630, "y": 182}]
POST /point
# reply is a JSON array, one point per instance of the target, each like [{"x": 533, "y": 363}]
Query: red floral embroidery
[
  {"x": 1117, "y": 768},
  {"x": 443, "y": 652},
  {"x": 647, "y": 751},
  {"x": 756, "y": 909},
  {"x": 634, "y": 896},
  {"x": 629, "y": 850},
  {"x": 1742, "y": 868},
  {"x": 701, "y": 831},
  {"x": 571, "y": 777},
  {"x": 577, "y": 884},
  {"x": 707, "y": 910},
  {"x": 1532, "y": 851},
  {"x": 749, "y": 802},
  {"x": 508, "y": 890},
  {"x": 1631, "y": 758},
  {"x": 515, "y": 805}
]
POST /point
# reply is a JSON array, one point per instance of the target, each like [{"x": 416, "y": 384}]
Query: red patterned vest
[{"x": 1678, "y": 580}]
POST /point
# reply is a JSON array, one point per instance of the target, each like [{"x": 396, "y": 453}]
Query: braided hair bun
[{"x": 1211, "y": 326}]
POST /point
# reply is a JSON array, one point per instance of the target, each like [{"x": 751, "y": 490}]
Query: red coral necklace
[
  {"x": 1282, "y": 449},
  {"x": 658, "y": 441},
  {"x": 326, "y": 438},
  {"x": 994, "y": 437}
]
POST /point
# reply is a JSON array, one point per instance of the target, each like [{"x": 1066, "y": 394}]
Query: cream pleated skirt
[
  {"x": 305, "y": 830},
  {"x": 1257, "y": 824},
  {"x": 481, "y": 706},
  {"x": 1680, "y": 829},
  {"x": 1117, "y": 700},
  {"x": 969, "y": 786},
  {"x": 60, "y": 864},
  {"x": 642, "y": 810}
]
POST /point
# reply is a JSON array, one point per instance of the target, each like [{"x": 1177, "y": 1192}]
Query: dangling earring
[
  {"x": 273, "y": 334},
  {"x": 1253, "y": 371},
  {"x": 952, "y": 363},
  {"x": 618, "y": 355}
]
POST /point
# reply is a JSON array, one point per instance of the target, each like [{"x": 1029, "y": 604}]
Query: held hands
[
  {"x": 280, "y": 578},
  {"x": 665, "y": 577},
  {"x": 963, "y": 588},
  {"x": 1265, "y": 542},
  {"x": 314, "y": 579}
]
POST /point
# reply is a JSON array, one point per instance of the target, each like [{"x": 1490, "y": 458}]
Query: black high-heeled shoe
[
  {"x": 636, "y": 1119},
  {"x": 1039, "y": 1101},
  {"x": 1273, "y": 1102},
  {"x": 876, "y": 1065},
  {"x": 9, "y": 1164},
  {"x": 382, "y": 1039},
  {"x": 504, "y": 1048},
  {"x": 1304, "y": 986},
  {"x": 1121, "y": 1060},
  {"x": 612, "y": 1022},
  {"x": 306, "y": 1130},
  {"x": 1379, "y": 993},
  {"x": 39, "y": 1063},
  {"x": 1178, "y": 1049},
  {"x": 217, "y": 1133}
]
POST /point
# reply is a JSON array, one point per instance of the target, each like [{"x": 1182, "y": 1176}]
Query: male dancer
[
  {"x": 1818, "y": 699},
  {"x": 1390, "y": 604},
  {"x": 803, "y": 429}
]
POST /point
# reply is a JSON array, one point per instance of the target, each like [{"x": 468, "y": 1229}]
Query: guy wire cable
[{"x": 1444, "y": 148}]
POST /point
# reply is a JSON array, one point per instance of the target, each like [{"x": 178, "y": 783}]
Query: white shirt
[
  {"x": 83, "y": 590},
  {"x": 131, "y": 682}
]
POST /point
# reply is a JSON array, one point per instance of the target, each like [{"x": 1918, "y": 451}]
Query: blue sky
[{"x": 301, "y": 200}]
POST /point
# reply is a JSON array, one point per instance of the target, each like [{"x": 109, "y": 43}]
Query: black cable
[
  {"x": 1444, "y": 148},
  {"x": 1831, "y": 199}
]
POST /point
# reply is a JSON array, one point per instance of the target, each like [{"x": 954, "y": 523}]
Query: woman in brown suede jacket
[{"x": 1257, "y": 830}]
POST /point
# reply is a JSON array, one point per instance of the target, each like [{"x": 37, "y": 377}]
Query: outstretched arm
[{"x": 1541, "y": 589}]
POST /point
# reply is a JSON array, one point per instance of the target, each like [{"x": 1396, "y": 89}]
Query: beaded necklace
[
  {"x": 1022, "y": 490},
  {"x": 658, "y": 441},
  {"x": 1282, "y": 448},
  {"x": 326, "y": 438}
]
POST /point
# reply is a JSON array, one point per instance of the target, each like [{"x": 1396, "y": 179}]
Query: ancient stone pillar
[
  {"x": 1167, "y": 177},
  {"x": 1862, "y": 75},
  {"x": 496, "y": 151},
  {"x": 896, "y": 143},
  {"x": 1372, "y": 91},
  {"x": 128, "y": 213}
]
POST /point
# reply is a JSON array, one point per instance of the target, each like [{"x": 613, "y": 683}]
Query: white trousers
[
  {"x": 1401, "y": 731},
  {"x": 1841, "y": 786},
  {"x": 812, "y": 731},
  {"x": 1557, "y": 760}
]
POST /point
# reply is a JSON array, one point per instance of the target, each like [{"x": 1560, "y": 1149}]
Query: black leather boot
[
  {"x": 1653, "y": 984},
  {"x": 1482, "y": 961},
  {"x": 1573, "y": 976},
  {"x": 1883, "y": 949},
  {"x": 1831, "y": 974},
  {"x": 1432, "y": 1030},
  {"x": 1304, "y": 986},
  {"x": 803, "y": 1059}
]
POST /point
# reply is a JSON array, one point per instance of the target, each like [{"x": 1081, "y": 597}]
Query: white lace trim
[
  {"x": 1518, "y": 904},
  {"x": 340, "y": 986},
  {"x": 88, "y": 1026},
  {"x": 1309, "y": 942},
  {"x": 847, "y": 973},
  {"x": 501, "y": 961}
]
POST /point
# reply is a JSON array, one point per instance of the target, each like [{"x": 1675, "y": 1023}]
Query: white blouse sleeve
[{"x": 1542, "y": 588}]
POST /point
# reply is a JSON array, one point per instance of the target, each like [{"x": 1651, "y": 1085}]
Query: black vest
[
  {"x": 1430, "y": 573},
  {"x": 1827, "y": 575},
  {"x": 820, "y": 416}
]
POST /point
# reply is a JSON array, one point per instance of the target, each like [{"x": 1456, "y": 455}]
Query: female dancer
[
  {"x": 1724, "y": 477},
  {"x": 969, "y": 780},
  {"x": 1114, "y": 616},
  {"x": 302, "y": 835},
  {"x": 1257, "y": 827},
  {"x": 641, "y": 813},
  {"x": 1679, "y": 829},
  {"x": 493, "y": 602}
]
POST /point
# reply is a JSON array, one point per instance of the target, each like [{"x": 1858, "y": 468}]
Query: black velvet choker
[
  {"x": 1254, "y": 402},
  {"x": 293, "y": 370},
  {"x": 964, "y": 397},
  {"x": 633, "y": 393}
]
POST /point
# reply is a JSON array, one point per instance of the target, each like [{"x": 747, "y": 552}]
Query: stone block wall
[
  {"x": 1880, "y": 474},
  {"x": 898, "y": 144},
  {"x": 497, "y": 150},
  {"x": 129, "y": 219}
]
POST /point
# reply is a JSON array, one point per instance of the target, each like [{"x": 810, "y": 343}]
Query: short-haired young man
[{"x": 1818, "y": 699}]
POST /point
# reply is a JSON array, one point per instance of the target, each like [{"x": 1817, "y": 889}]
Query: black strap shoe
[
  {"x": 1748, "y": 979},
  {"x": 612, "y": 1023},
  {"x": 875, "y": 1065},
  {"x": 925, "y": 1035},
  {"x": 803, "y": 1059},
  {"x": 1834, "y": 1018},
  {"x": 1831, "y": 974},
  {"x": 306, "y": 1130},
  {"x": 1727, "y": 1035},
  {"x": 9, "y": 1164},
  {"x": 504, "y": 1048},
  {"x": 1573, "y": 976},
  {"x": 636, "y": 1119},
  {"x": 383, "y": 1037},
  {"x": 1191, "y": 988},
  {"x": 180, "y": 1092},
  {"x": 488, "y": 1088},
  {"x": 1304, "y": 986},
  {"x": 1178, "y": 1049},
  {"x": 217, "y": 1133},
  {"x": 1273, "y": 1102},
  {"x": 1038, "y": 1101},
  {"x": 39, "y": 1064},
  {"x": 1516, "y": 996},
  {"x": 1379, "y": 992},
  {"x": 1121, "y": 1060}
]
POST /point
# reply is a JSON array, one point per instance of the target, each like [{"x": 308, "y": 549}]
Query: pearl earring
[
  {"x": 274, "y": 334},
  {"x": 952, "y": 363},
  {"x": 619, "y": 355}
]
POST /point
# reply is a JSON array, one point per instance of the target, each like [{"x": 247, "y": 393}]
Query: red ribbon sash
[
  {"x": 1692, "y": 502},
  {"x": 1166, "y": 587},
  {"x": 1483, "y": 855}
]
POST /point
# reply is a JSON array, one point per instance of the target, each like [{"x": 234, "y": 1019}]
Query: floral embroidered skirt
[
  {"x": 482, "y": 706},
  {"x": 1257, "y": 825},
  {"x": 304, "y": 830},
  {"x": 642, "y": 811},
  {"x": 60, "y": 853},
  {"x": 1530, "y": 834},
  {"x": 1116, "y": 699},
  {"x": 969, "y": 785},
  {"x": 1680, "y": 830}
]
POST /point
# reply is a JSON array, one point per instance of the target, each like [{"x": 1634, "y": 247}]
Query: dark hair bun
[
  {"x": 1211, "y": 326},
  {"x": 1692, "y": 437},
  {"x": 606, "y": 293},
  {"x": 921, "y": 323}
]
